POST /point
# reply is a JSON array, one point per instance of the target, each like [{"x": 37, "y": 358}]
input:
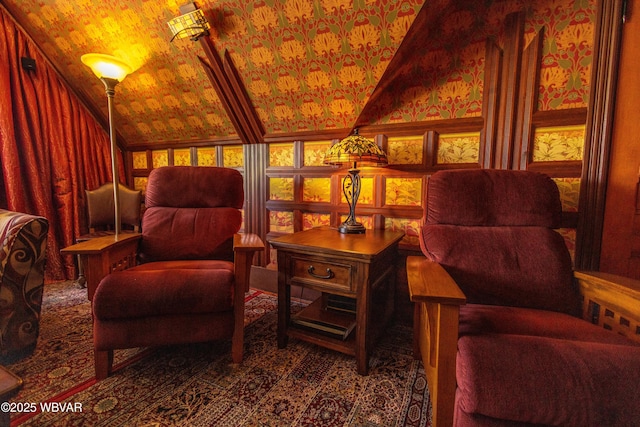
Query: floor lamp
[{"x": 110, "y": 71}]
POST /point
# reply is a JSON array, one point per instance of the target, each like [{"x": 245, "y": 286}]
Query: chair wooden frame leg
[
  {"x": 237, "y": 340},
  {"x": 103, "y": 363}
]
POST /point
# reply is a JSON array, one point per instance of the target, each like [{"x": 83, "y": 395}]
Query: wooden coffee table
[{"x": 343, "y": 267}]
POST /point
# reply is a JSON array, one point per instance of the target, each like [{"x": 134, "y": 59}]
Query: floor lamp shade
[{"x": 106, "y": 66}]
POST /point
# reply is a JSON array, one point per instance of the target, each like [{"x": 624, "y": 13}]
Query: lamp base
[{"x": 353, "y": 228}]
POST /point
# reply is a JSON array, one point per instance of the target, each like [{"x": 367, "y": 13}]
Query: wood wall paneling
[
  {"x": 509, "y": 91},
  {"x": 530, "y": 72},
  {"x": 621, "y": 228},
  {"x": 598, "y": 136},
  {"x": 490, "y": 104}
]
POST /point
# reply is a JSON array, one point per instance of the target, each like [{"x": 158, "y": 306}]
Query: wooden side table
[{"x": 359, "y": 267}]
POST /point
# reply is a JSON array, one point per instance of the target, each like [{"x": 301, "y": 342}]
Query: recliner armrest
[
  {"x": 247, "y": 242},
  {"x": 610, "y": 301},
  {"x": 245, "y": 245},
  {"x": 429, "y": 282},
  {"x": 435, "y": 331},
  {"x": 103, "y": 255}
]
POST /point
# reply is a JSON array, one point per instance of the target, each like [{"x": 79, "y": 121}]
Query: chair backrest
[
  {"x": 101, "y": 212},
  {"x": 493, "y": 231},
  {"x": 192, "y": 213}
]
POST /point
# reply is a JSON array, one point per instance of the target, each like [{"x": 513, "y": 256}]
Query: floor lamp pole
[{"x": 109, "y": 85}]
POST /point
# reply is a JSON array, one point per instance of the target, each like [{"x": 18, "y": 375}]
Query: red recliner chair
[
  {"x": 504, "y": 326},
  {"x": 193, "y": 272}
]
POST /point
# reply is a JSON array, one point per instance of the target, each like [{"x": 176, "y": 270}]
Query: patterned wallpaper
[
  {"x": 307, "y": 64},
  {"x": 445, "y": 77}
]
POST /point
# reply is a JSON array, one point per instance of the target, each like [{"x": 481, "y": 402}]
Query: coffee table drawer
[{"x": 332, "y": 275}]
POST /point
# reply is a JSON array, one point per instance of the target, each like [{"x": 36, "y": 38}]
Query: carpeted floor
[{"x": 196, "y": 385}]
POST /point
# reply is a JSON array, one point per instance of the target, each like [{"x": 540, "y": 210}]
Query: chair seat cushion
[
  {"x": 166, "y": 288},
  {"x": 541, "y": 367},
  {"x": 548, "y": 381}
]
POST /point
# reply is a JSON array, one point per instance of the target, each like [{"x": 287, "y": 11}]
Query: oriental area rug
[{"x": 197, "y": 385}]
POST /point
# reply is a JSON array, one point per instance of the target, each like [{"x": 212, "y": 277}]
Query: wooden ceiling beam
[{"x": 232, "y": 93}]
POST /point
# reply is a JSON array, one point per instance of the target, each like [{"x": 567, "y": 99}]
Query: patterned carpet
[{"x": 196, "y": 385}]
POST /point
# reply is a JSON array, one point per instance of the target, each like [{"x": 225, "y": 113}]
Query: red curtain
[{"x": 51, "y": 147}]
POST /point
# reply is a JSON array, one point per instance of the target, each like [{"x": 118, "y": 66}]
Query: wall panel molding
[
  {"x": 509, "y": 91},
  {"x": 530, "y": 79},
  {"x": 599, "y": 131}
]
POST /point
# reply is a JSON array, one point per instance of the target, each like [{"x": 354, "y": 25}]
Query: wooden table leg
[{"x": 284, "y": 306}]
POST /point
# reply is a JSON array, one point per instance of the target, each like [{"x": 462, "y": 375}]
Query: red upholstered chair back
[
  {"x": 493, "y": 231},
  {"x": 192, "y": 213}
]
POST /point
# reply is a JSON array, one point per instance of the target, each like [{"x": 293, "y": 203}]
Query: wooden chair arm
[
  {"x": 610, "y": 301},
  {"x": 429, "y": 282},
  {"x": 247, "y": 242},
  {"x": 245, "y": 245},
  {"x": 103, "y": 255},
  {"x": 435, "y": 331}
]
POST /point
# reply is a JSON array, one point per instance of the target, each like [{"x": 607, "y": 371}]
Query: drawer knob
[{"x": 311, "y": 270}]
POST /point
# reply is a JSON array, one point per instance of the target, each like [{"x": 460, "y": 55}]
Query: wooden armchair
[
  {"x": 184, "y": 278},
  {"x": 495, "y": 350}
]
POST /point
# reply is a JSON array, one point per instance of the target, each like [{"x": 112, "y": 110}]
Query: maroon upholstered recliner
[
  {"x": 518, "y": 353},
  {"x": 193, "y": 272}
]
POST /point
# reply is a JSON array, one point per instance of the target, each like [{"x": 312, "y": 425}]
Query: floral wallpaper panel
[
  {"x": 281, "y": 222},
  {"x": 410, "y": 226},
  {"x": 140, "y": 160},
  {"x": 316, "y": 190},
  {"x": 458, "y": 148},
  {"x": 232, "y": 156},
  {"x": 281, "y": 155},
  {"x": 405, "y": 150},
  {"x": 160, "y": 158},
  {"x": 312, "y": 219},
  {"x": 182, "y": 157},
  {"x": 207, "y": 156},
  {"x": 314, "y": 151},
  {"x": 558, "y": 143},
  {"x": 280, "y": 188},
  {"x": 403, "y": 191}
]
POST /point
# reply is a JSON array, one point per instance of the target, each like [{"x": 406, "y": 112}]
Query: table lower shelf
[
  {"x": 320, "y": 318},
  {"x": 347, "y": 346},
  {"x": 323, "y": 326}
]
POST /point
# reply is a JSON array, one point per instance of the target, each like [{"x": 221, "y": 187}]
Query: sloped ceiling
[{"x": 307, "y": 65}]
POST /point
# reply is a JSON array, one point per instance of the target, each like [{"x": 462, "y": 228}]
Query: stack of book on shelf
[{"x": 335, "y": 317}]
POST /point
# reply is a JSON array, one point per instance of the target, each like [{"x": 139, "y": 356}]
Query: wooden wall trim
[
  {"x": 230, "y": 89},
  {"x": 599, "y": 131},
  {"x": 231, "y": 140},
  {"x": 530, "y": 80},
  {"x": 509, "y": 92},
  {"x": 255, "y": 188},
  {"x": 490, "y": 103}
]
